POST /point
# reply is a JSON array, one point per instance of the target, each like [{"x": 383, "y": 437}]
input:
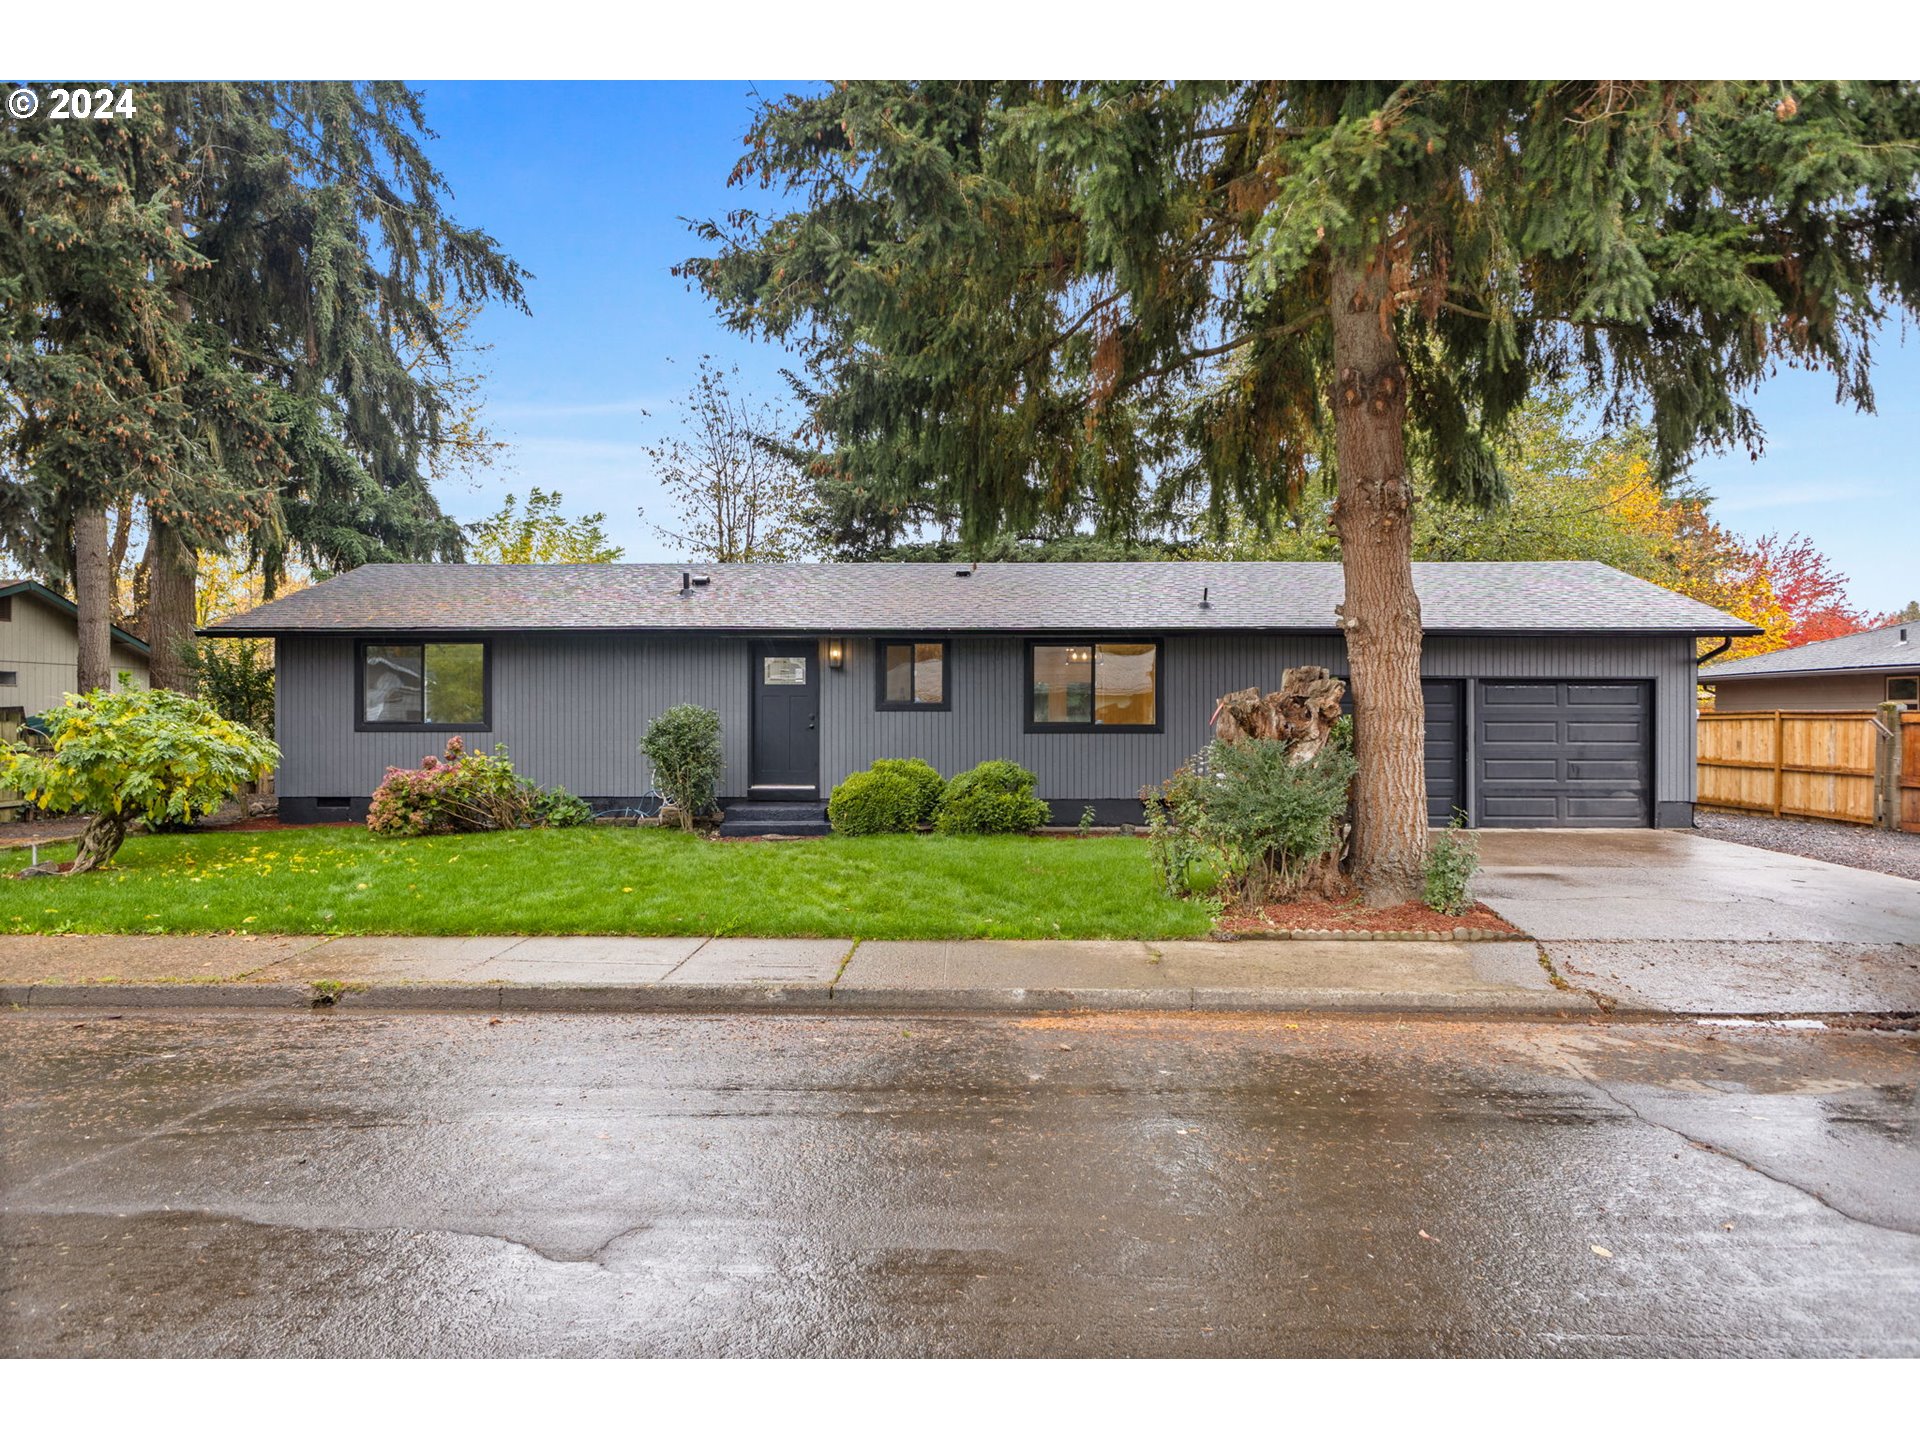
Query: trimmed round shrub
[
  {"x": 924, "y": 779},
  {"x": 683, "y": 746},
  {"x": 873, "y": 802},
  {"x": 994, "y": 798}
]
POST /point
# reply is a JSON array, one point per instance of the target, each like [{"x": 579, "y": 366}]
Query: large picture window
[
  {"x": 913, "y": 675},
  {"x": 426, "y": 686},
  {"x": 1093, "y": 685}
]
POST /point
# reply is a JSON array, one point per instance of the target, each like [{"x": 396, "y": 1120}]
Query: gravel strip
[{"x": 1860, "y": 846}]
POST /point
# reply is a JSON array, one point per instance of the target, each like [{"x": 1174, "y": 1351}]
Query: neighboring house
[
  {"x": 40, "y": 649},
  {"x": 1557, "y": 693},
  {"x": 1854, "y": 672}
]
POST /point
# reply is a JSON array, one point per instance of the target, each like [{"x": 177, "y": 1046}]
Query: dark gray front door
[
  {"x": 1565, "y": 753},
  {"x": 786, "y": 716}
]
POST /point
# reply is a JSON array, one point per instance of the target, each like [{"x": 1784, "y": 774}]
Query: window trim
[
  {"x": 880, "y": 701},
  {"x": 424, "y": 727},
  {"x": 1032, "y": 726},
  {"x": 1886, "y": 690}
]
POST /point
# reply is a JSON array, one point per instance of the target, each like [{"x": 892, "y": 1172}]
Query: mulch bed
[{"x": 1312, "y": 919}]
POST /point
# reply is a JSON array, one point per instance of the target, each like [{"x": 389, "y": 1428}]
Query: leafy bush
[
  {"x": 874, "y": 802},
  {"x": 1452, "y": 859},
  {"x": 923, "y": 778},
  {"x": 993, "y": 798},
  {"x": 683, "y": 745},
  {"x": 236, "y": 678},
  {"x": 460, "y": 790},
  {"x": 1260, "y": 819},
  {"x": 155, "y": 755},
  {"x": 559, "y": 809}
]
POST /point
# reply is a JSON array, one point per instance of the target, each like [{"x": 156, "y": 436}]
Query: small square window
[
  {"x": 1903, "y": 687},
  {"x": 9, "y": 679},
  {"x": 913, "y": 675}
]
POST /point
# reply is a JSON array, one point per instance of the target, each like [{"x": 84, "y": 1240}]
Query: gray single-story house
[
  {"x": 1558, "y": 693},
  {"x": 1852, "y": 672}
]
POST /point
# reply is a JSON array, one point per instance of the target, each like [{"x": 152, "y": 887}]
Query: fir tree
[
  {"x": 1017, "y": 299},
  {"x": 309, "y": 283}
]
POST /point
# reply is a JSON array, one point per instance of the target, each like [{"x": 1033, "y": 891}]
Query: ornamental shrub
[
  {"x": 874, "y": 802},
  {"x": 683, "y": 745},
  {"x": 993, "y": 798},
  {"x": 560, "y": 809},
  {"x": 461, "y": 790},
  {"x": 152, "y": 755},
  {"x": 1452, "y": 859},
  {"x": 1251, "y": 816},
  {"x": 924, "y": 779}
]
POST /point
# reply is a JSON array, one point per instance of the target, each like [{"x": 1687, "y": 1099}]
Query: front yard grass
[{"x": 606, "y": 881}]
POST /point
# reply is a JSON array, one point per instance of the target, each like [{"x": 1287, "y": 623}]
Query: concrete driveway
[{"x": 1669, "y": 919}]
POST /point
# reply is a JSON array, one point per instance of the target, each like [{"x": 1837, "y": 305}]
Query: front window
[
  {"x": 428, "y": 686},
  {"x": 1903, "y": 687},
  {"x": 1095, "y": 685},
  {"x": 913, "y": 675}
]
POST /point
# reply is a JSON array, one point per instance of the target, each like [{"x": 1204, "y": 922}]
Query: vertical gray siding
[
  {"x": 571, "y": 708},
  {"x": 987, "y": 678}
]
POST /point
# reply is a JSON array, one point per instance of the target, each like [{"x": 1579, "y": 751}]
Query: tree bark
[
  {"x": 99, "y": 842},
  {"x": 93, "y": 595},
  {"x": 1373, "y": 514},
  {"x": 171, "y": 579}
]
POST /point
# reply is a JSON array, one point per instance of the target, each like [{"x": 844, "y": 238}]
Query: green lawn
[{"x": 606, "y": 881}]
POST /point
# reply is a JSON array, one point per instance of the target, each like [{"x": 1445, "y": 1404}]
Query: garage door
[
  {"x": 1564, "y": 753},
  {"x": 1445, "y": 754},
  {"x": 1445, "y": 751}
]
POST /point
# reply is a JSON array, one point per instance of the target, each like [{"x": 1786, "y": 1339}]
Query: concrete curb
[{"x": 762, "y": 998}]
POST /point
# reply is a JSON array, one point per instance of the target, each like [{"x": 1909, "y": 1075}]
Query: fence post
[
  {"x": 1779, "y": 763},
  {"x": 1887, "y": 768}
]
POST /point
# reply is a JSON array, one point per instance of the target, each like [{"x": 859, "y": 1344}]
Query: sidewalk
[{"x": 615, "y": 973}]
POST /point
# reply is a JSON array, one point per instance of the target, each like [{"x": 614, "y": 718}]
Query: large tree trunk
[
  {"x": 1373, "y": 514},
  {"x": 99, "y": 842},
  {"x": 171, "y": 579},
  {"x": 93, "y": 594}
]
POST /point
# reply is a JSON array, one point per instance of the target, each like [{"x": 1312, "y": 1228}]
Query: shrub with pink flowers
[{"x": 460, "y": 790}]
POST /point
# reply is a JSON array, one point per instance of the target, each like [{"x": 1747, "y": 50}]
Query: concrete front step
[{"x": 760, "y": 817}]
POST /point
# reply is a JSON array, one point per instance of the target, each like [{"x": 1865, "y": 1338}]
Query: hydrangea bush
[{"x": 465, "y": 790}]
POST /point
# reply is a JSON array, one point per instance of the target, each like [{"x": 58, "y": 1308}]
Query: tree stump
[{"x": 1300, "y": 713}]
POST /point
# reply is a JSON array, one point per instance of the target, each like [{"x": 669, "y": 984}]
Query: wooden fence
[
  {"x": 1814, "y": 763},
  {"x": 1907, "y": 791}
]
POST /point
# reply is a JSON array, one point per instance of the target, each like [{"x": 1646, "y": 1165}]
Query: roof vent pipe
[
  {"x": 1205, "y": 604},
  {"x": 686, "y": 581}
]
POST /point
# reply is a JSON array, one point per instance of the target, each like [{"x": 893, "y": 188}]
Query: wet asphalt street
[{"x": 196, "y": 1184}]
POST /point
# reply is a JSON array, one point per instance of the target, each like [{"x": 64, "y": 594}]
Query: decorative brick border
[{"x": 1458, "y": 932}]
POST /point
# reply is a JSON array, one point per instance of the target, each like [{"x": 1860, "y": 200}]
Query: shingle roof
[
  {"x": 60, "y": 602},
  {"x": 1147, "y": 595},
  {"x": 1894, "y": 647}
]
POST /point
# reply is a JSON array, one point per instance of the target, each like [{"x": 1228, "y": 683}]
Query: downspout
[{"x": 1726, "y": 644}]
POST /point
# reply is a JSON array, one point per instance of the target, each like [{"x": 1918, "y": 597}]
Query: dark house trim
[
  {"x": 880, "y": 701},
  {"x": 1041, "y": 727},
  {"x": 360, "y": 721},
  {"x": 761, "y": 632}
]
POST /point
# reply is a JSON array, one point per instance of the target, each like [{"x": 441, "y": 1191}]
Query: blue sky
[{"x": 588, "y": 186}]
